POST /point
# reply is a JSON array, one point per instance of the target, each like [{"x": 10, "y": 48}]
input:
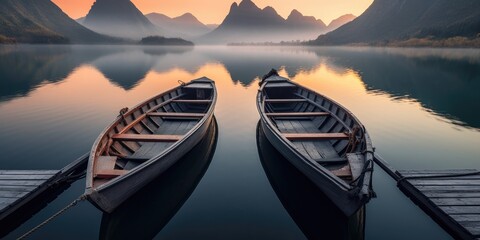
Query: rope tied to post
[{"x": 72, "y": 204}]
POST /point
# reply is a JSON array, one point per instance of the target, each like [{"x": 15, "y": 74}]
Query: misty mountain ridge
[
  {"x": 185, "y": 26},
  {"x": 41, "y": 21},
  {"x": 246, "y": 22},
  {"x": 390, "y": 21},
  {"x": 120, "y": 18},
  {"x": 340, "y": 21}
]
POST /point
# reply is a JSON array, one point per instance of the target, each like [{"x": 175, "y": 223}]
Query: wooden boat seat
[
  {"x": 175, "y": 114},
  {"x": 199, "y": 85},
  {"x": 338, "y": 160},
  {"x": 298, "y": 114},
  {"x": 279, "y": 85},
  {"x": 146, "y": 137},
  {"x": 343, "y": 172},
  {"x": 356, "y": 163},
  {"x": 110, "y": 173},
  {"x": 353, "y": 169},
  {"x": 294, "y": 100},
  {"x": 105, "y": 167},
  {"x": 192, "y": 101},
  {"x": 315, "y": 136}
]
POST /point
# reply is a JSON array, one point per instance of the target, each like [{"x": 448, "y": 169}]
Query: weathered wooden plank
[
  {"x": 343, "y": 172},
  {"x": 444, "y": 182},
  {"x": 448, "y": 188},
  {"x": 456, "y": 201},
  {"x": 20, "y": 183},
  {"x": 409, "y": 173},
  {"x": 109, "y": 173},
  {"x": 294, "y": 100},
  {"x": 191, "y": 101},
  {"x": 25, "y": 177},
  {"x": 297, "y": 114},
  {"x": 180, "y": 115},
  {"x": 356, "y": 164},
  {"x": 466, "y": 217},
  {"x": 315, "y": 136},
  {"x": 461, "y": 209},
  {"x": 7, "y": 200},
  {"x": 104, "y": 163},
  {"x": 452, "y": 194},
  {"x": 146, "y": 137},
  {"x": 141, "y": 117},
  {"x": 12, "y": 194},
  {"x": 472, "y": 227},
  {"x": 17, "y": 188},
  {"x": 28, "y": 172}
]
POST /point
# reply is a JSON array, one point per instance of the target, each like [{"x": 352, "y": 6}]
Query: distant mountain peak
[
  {"x": 295, "y": 14},
  {"x": 247, "y": 4},
  {"x": 270, "y": 10},
  {"x": 187, "y": 17},
  {"x": 249, "y": 23}
]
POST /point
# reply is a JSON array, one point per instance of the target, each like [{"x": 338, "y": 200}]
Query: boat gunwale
[{"x": 89, "y": 189}]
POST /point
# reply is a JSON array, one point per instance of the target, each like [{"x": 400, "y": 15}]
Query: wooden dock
[
  {"x": 450, "y": 197},
  {"x": 25, "y": 192}
]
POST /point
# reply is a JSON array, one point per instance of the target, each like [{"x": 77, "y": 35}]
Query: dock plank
[
  {"x": 27, "y": 172},
  {"x": 456, "y": 201},
  {"x": 450, "y": 197},
  {"x": 25, "y": 177},
  {"x": 21, "y": 183},
  {"x": 12, "y": 194},
  {"x": 461, "y": 209}
]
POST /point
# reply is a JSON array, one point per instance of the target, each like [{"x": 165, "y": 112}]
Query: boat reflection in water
[
  {"x": 312, "y": 211},
  {"x": 146, "y": 213}
]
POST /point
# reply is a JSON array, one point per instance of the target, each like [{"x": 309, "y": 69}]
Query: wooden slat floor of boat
[
  {"x": 16, "y": 185},
  {"x": 298, "y": 114},
  {"x": 294, "y": 100},
  {"x": 175, "y": 114},
  {"x": 454, "y": 202},
  {"x": 315, "y": 136},
  {"x": 152, "y": 149},
  {"x": 193, "y": 101},
  {"x": 316, "y": 150}
]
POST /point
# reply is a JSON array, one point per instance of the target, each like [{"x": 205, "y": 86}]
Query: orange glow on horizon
[{"x": 214, "y": 11}]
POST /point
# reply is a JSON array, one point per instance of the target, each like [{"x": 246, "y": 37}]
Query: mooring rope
[{"x": 75, "y": 202}]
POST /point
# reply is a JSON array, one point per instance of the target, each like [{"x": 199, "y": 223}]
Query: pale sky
[{"x": 214, "y": 11}]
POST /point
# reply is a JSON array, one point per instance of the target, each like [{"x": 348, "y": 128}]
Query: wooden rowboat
[
  {"x": 322, "y": 139},
  {"x": 145, "y": 141}
]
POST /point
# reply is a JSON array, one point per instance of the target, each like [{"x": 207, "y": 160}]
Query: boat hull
[
  {"x": 110, "y": 197},
  {"x": 343, "y": 199}
]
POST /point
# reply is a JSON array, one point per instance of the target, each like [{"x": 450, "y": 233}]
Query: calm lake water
[{"x": 419, "y": 105}]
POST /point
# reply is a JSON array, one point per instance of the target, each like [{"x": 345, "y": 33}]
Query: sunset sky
[{"x": 214, "y": 11}]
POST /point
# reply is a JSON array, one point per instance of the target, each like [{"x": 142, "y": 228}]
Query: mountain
[
  {"x": 387, "y": 21},
  {"x": 80, "y": 20},
  {"x": 212, "y": 26},
  {"x": 185, "y": 26},
  {"x": 248, "y": 23},
  {"x": 41, "y": 21},
  {"x": 342, "y": 20},
  {"x": 119, "y": 18}
]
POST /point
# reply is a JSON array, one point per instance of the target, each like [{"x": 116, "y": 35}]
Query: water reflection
[
  {"x": 148, "y": 211},
  {"x": 445, "y": 81},
  {"x": 23, "y": 68},
  {"x": 312, "y": 211}
]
